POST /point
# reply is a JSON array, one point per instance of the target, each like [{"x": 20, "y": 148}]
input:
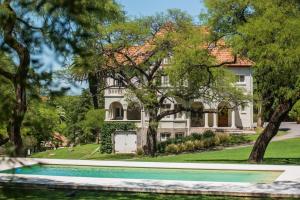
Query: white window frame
[
  {"x": 165, "y": 136},
  {"x": 179, "y": 133},
  {"x": 238, "y": 81},
  {"x": 165, "y": 81}
]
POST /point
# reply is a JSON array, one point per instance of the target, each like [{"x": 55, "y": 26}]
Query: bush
[
  {"x": 189, "y": 146},
  {"x": 181, "y": 147},
  {"x": 208, "y": 134},
  {"x": 208, "y": 142},
  {"x": 172, "y": 148},
  {"x": 198, "y": 144},
  {"x": 215, "y": 141},
  {"x": 224, "y": 137},
  {"x": 196, "y": 136}
]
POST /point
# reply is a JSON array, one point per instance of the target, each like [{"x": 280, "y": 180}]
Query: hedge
[{"x": 108, "y": 129}]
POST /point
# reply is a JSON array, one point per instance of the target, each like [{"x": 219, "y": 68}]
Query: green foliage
[
  {"x": 273, "y": 48},
  {"x": 208, "y": 134},
  {"x": 93, "y": 121},
  {"x": 204, "y": 141},
  {"x": 108, "y": 129},
  {"x": 295, "y": 112},
  {"x": 172, "y": 148},
  {"x": 39, "y": 124},
  {"x": 73, "y": 112}
]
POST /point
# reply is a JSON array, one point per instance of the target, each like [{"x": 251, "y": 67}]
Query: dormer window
[
  {"x": 165, "y": 80},
  {"x": 118, "y": 83}
]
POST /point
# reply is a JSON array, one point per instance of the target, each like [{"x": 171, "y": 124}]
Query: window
[
  {"x": 164, "y": 80},
  {"x": 240, "y": 78},
  {"x": 118, "y": 83},
  {"x": 166, "y": 107},
  {"x": 164, "y": 136},
  {"x": 179, "y": 135},
  {"x": 243, "y": 108},
  {"x": 178, "y": 115}
]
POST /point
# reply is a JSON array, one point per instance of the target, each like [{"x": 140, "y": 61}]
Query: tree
[
  {"x": 40, "y": 122},
  {"x": 268, "y": 32},
  {"x": 92, "y": 123},
  {"x": 137, "y": 51},
  {"x": 27, "y": 27}
]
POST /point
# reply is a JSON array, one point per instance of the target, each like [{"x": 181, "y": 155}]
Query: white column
[
  {"x": 188, "y": 121},
  {"x": 172, "y": 108},
  {"x": 233, "y": 119},
  {"x": 206, "y": 120},
  {"x": 215, "y": 121},
  {"x": 125, "y": 115},
  {"x": 107, "y": 115}
]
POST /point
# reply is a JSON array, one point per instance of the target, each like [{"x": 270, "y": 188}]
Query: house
[{"x": 221, "y": 116}]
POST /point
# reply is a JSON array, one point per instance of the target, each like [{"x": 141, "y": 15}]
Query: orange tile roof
[{"x": 220, "y": 51}]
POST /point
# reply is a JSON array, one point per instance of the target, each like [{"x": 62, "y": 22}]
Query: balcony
[{"x": 114, "y": 92}]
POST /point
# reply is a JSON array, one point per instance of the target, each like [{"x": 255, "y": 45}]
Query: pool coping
[{"x": 286, "y": 185}]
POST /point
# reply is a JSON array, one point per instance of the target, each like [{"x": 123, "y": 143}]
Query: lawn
[
  {"x": 279, "y": 152},
  {"x": 8, "y": 193}
]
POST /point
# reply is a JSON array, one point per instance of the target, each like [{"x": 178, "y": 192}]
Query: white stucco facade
[{"x": 236, "y": 119}]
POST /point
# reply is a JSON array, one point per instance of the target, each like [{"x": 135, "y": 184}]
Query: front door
[{"x": 223, "y": 118}]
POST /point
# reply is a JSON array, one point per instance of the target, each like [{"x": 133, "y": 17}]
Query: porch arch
[{"x": 116, "y": 111}]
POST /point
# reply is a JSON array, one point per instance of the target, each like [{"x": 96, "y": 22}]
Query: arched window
[{"x": 134, "y": 111}]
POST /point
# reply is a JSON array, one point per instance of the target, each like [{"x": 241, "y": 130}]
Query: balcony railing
[{"x": 114, "y": 91}]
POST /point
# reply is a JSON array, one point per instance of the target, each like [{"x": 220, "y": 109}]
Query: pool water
[{"x": 149, "y": 173}]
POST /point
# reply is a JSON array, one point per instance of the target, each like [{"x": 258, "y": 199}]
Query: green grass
[
  {"x": 8, "y": 193},
  {"x": 86, "y": 152},
  {"x": 253, "y": 137},
  {"x": 279, "y": 152}
]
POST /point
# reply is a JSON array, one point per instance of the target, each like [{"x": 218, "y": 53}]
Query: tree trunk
[
  {"x": 19, "y": 80},
  {"x": 260, "y": 117},
  {"x": 93, "y": 87},
  {"x": 269, "y": 132},
  {"x": 152, "y": 136}
]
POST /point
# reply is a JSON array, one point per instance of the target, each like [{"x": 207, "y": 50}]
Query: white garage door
[{"x": 125, "y": 142}]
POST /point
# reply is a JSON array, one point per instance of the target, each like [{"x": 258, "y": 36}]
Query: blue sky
[
  {"x": 137, "y": 8},
  {"x": 150, "y": 7}
]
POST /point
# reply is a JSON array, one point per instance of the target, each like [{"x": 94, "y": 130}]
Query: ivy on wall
[{"x": 108, "y": 129}]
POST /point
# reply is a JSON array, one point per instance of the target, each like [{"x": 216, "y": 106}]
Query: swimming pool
[{"x": 149, "y": 173}]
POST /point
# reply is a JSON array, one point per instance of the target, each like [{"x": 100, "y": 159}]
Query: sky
[
  {"x": 137, "y": 8},
  {"x": 150, "y": 7}
]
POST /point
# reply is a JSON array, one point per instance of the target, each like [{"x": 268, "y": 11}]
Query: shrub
[
  {"x": 196, "y": 136},
  {"x": 181, "y": 147},
  {"x": 172, "y": 148},
  {"x": 224, "y": 137},
  {"x": 208, "y": 134},
  {"x": 207, "y": 142},
  {"x": 198, "y": 144},
  {"x": 189, "y": 146},
  {"x": 215, "y": 141}
]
